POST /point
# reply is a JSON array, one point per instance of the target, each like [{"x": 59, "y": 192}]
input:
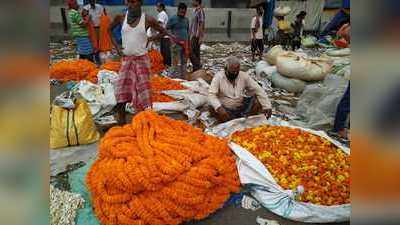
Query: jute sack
[
  {"x": 273, "y": 53},
  {"x": 306, "y": 69}
]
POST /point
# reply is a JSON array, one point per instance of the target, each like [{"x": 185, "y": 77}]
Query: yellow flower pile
[
  {"x": 157, "y": 171},
  {"x": 295, "y": 157}
]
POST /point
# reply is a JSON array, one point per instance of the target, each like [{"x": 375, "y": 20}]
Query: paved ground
[{"x": 239, "y": 216}]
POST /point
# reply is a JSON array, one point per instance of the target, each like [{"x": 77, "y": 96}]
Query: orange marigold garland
[
  {"x": 76, "y": 70},
  {"x": 112, "y": 65},
  {"x": 157, "y": 61},
  {"x": 295, "y": 157},
  {"x": 159, "y": 83},
  {"x": 145, "y": 175}
]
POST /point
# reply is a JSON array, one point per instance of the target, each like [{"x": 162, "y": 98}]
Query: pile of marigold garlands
[
  {"x": 80, "y": 69},
  {"x": 298, "y": 158},
  {"x": 159, "y": 83},
  {"x": 145, "y": 175}
]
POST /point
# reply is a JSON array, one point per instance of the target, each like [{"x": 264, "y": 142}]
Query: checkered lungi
[{"x": 133, "y": 84}]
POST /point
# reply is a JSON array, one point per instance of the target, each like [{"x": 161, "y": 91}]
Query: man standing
[
  {"x": 133, "y": 84},
  {"x": 79, "y": 32},
  {"x": 162, "y": 19},
  {"x": 179, "y": 27},
  {"x": 95, "y": 11},
  {"x": 233, "y": 93},
  {"x": 197, "y": 34},
  {"x": 257, "y": 39}
]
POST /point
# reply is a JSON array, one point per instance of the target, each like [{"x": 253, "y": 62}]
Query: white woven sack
[
  {"x": 297, "y": 67},
  {"x": 288, "y": 84}
]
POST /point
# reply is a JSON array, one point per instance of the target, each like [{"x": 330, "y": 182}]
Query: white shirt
[
  {"x": 95, "y": 13},
  {"x": 223, "y": 92},
  {"x": 259, "y": 33},
  {"x": 162, "y": 18},
  {"x": 134, "y": 39}
]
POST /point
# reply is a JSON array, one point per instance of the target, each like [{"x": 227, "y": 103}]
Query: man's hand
[
  {"x": 119, "y": 51},
  {"x": 268, "y": 113},
  {"x": 222, "y": 114}
]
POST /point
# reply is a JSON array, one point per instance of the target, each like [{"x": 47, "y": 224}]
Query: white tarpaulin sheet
[{"x": 256, "y": 177}]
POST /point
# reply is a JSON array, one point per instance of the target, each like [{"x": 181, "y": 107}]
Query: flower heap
[
  {"x": 157, "y": 61},
  {"x": 159, "y": 84},
  {"x": 295, "y": 157},
  {"x": 112, "y": 65},
  {"x": 145, "y": 175},
  {"x": 76, "y": 70}
]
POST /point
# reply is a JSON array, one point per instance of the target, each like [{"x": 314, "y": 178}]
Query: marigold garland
[
  {"x": 145, "y": 175},
  {"x": 295, "y": 157},
  {"x": 112, "y": 65},
  {"x": 159, "y": 83},
  {"x": 76, "y": 70},
  {"x": 157, "y": 61}
]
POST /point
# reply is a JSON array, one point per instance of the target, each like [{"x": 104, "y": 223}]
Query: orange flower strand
[{"x": 145, "y": 175}]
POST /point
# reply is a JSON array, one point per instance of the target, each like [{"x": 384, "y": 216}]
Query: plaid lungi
[{"x": 133, "y": 84}]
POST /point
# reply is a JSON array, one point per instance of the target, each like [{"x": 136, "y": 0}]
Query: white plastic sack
[
  {"x": 193, "y": 100},
  {"x": 106, "y": 76},
  {"x": 339, "y": 52},
  {"x": 273, "y": 53},
  {"x": 263, "y": 186},
  {"x": 101, "y": 98},
  {"x": 169, "y": 107},
  {"x": 306, "y": 69},
  {"x": 282, "y": 11},
  {"x": 265, "y": 70},
  {"x": 288, "y": 84}
]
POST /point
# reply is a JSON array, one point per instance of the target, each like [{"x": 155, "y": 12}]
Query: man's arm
[
  {"x": 151, "y": 22},
  {"x": 213, "y": 92},
  {"x": 262, "y": 97},
  {"x": 117, "y": 20}
]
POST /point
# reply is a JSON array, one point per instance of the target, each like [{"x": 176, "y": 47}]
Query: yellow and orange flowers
[
  {"x": 295, "y": 157},
  {"x": 145, "y": 175},
  {"x": 76, "y": 70},
  {"x": 159, "y": 84},
  {"x": 157, "y": 62}
]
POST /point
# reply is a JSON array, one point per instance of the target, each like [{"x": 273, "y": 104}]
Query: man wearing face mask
[{"x": 234, "y": 94}]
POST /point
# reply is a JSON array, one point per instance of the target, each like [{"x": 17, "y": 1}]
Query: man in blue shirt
[{"x": 179, "y": 27}]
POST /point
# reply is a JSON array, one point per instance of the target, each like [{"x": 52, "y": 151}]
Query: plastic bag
[
  {"x": 288, "y": 84},
  {"x": 306, "y": 69},
  {"x": 273, "y": 53},
  {"x": 318, "y": 102},
  {"x": 70, "y": 127},
  {"x": 263, "y": 186},
  {"x": 193, "y": 100}
]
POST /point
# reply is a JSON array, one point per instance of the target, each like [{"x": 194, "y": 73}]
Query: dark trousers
[
  {"x": 165, "y": 48},
  {"x": 88, "y": 57},
  {"x": 342, "y": 111},
  {"x": 257, "y": 44},
  {"x": 195, "y": 54}
]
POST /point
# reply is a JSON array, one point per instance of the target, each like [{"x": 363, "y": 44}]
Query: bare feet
[{"x": 343, "y": 133}]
